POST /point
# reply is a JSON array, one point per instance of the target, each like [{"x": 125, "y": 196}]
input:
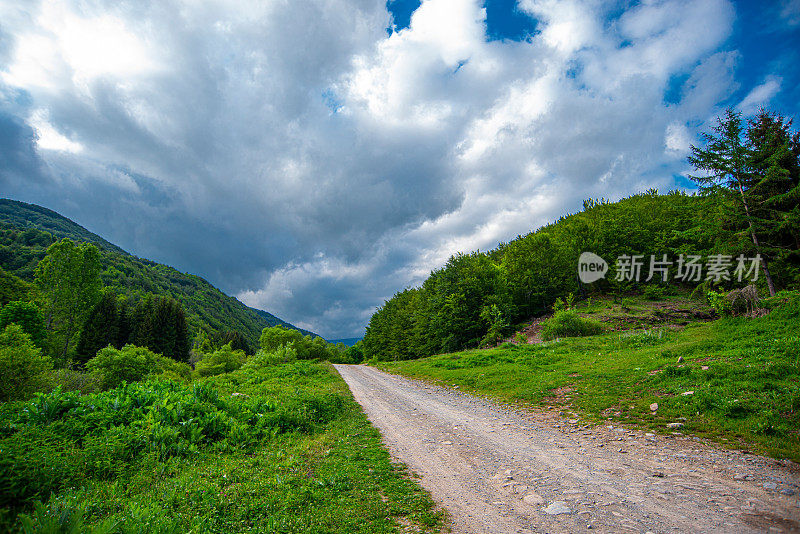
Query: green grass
[
  {"x": 293, "y": 453},
  {"x": 748, "y": 397}
]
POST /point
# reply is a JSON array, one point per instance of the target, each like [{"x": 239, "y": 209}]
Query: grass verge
[{"x": 290, "y": 452}]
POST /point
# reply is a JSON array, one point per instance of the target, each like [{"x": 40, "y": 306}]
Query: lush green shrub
[
  {"x": 54, "y": 519},
  {"x": 780, "y": 298},
  {"x": 74, "y": 380},
  {"x": 173, "y": 370},
  {"x": 128, "y": 364},
  {"x": 28, "y": 316},
  {"x": 567, "y": 323},
  {"x": 23, "y": 367},
  {"x": 221, "y": 361},
  {"x": 719, "y": 303},
  {"x": 657, "y": 292},
  {"x": 263, "y": 358},
  {"x": 354, "y": 354},
  {"x": 306, "y": 347},
  {"x": 497, "y": 325},
  {"x": 277, "y": 336},
  {"x": 736, "y": 302}
]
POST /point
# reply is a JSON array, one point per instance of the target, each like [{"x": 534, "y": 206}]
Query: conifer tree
[
  {"x": 727, "y": 160},
  {"x": 101, "y": 328}
]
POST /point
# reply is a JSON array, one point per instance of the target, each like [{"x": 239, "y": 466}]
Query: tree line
[
  {"x": 747, "y": 204},
  {"x": 70, "y": 317}
]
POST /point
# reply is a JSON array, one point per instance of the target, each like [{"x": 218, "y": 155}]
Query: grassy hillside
[
  {"x": 735, "y": 380},
  {"x": 281, "y": 448},
  {"x": 27, "y": 230}
]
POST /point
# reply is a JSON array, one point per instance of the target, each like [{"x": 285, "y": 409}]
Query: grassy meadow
[
  {"x": 279, "y": 448},
  {"x": 744, "y": 373}
]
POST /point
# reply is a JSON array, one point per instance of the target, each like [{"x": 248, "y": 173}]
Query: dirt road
[{"x": 499, "y": 470}]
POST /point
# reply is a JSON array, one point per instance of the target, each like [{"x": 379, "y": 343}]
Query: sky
[{"x": 314, "y": 157}]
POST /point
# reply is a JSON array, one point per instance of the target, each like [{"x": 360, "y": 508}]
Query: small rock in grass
[
  {"x": 654, "y": 407},
  {"x": 556, "y": 508},
  {"x": 674, "y": 425},
  {"x": 704, "y": 368}
]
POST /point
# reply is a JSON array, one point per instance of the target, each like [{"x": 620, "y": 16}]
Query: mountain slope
[
  {"x": 24, "y": 216},
  {"x": 26, "y": 230}
]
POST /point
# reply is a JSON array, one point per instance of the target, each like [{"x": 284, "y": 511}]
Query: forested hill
[
  {"x": 24, "y": 216},
  {"x": 26, "y": 230}
]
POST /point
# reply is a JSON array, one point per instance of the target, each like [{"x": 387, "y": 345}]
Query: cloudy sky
[{"x": 313, "y": 157}]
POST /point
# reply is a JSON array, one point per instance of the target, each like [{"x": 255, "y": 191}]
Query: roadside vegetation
[
  {"x": 276, "y": 448},
  {"x": 273, "y": 442}
]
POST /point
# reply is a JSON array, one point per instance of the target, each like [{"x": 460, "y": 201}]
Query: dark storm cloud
[{"x": 18, "y": 158}]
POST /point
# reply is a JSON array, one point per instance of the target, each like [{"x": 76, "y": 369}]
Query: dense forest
[
  {"x": 746, "y": 207},
  {"x": 26, "y": 231}
]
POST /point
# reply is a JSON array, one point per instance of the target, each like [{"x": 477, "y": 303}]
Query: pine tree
[
  {"x": 728, "y": 158},
  {"x": 775, "y": 188},
  {"x": 160, "y": 325},
  {"x": 101, "y": 328},
  {"x": 124, "y": 323}
]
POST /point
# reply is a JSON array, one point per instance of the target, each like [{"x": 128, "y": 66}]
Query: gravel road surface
[{"x": 501, "y": 470}]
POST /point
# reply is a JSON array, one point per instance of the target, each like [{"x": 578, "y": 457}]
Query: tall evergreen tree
[
  {"x": 727, "y": 158},
  {"x": 775, "y": 188},
  {"x": 101, "y": 328},
  {"x": 235, "y": 339},
  {"x": 160, "y": 325},
  {"x": 124, "y": 323}
]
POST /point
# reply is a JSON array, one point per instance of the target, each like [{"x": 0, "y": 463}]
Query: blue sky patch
[{"x": 504, "y": 22}]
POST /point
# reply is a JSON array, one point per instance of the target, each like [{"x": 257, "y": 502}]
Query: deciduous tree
[{"x": 68, "y": 279}]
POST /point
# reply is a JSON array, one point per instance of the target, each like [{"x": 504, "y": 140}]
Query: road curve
[{"x": 499, "y": 470}]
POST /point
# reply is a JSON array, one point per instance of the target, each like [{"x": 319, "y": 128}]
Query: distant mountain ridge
[{"x": 23, "y": 243}]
